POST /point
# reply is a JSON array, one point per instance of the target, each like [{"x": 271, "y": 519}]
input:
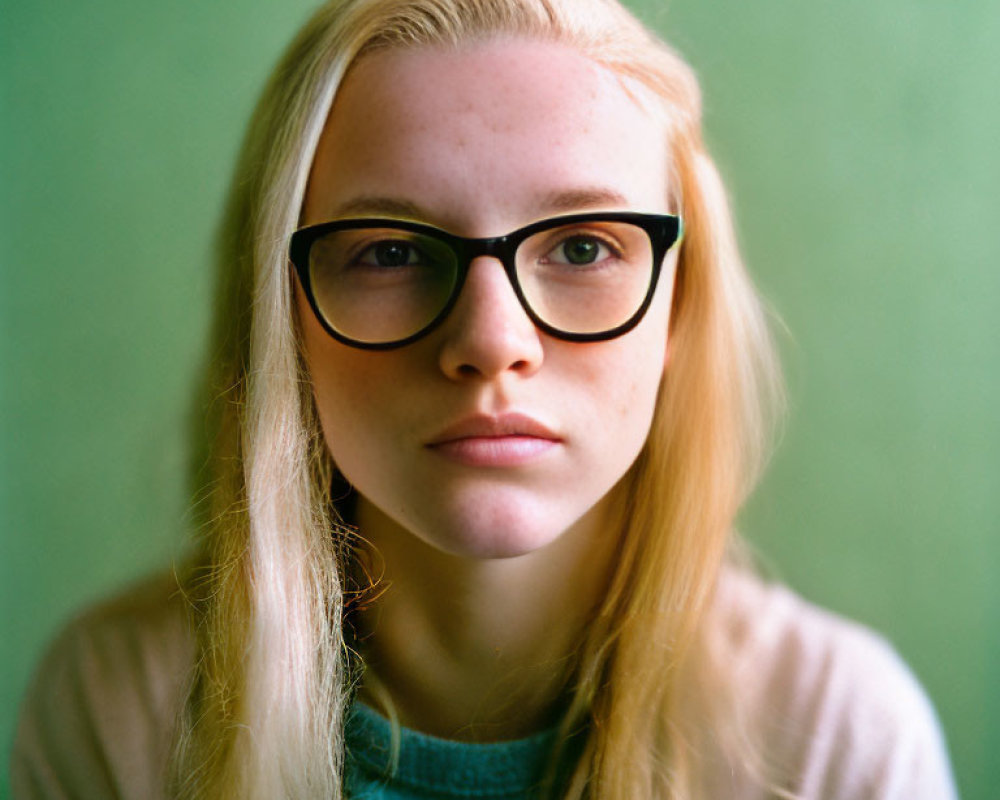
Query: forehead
[{"x": 507, "y": 129}]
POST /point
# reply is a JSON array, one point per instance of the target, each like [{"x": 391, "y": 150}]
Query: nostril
[{"x": 467, "y": 370}]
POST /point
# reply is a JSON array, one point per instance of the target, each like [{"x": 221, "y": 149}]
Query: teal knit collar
[{"x": 433, "y": 767}]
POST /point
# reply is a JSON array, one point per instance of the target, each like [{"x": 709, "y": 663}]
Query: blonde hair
[{"x": 266, "y": 710}]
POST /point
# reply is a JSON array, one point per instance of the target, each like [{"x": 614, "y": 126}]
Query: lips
[
  {"x": 488, "y": 426},
  {"x": 494, "y": 441}
]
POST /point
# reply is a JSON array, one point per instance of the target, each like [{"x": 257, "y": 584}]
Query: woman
[{"x": 490, "y": 385}]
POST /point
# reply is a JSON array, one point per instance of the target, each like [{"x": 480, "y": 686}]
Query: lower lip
[{"x": 494, "y": 451}]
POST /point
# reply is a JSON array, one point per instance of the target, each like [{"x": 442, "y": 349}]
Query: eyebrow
[
  {"x": 371, "y": 205},
  {"x": 560, "y": 201},
  {"x": 582, "y": 197}
]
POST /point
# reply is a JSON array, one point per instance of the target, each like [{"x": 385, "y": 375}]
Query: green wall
[{"x": 860, "y": 144}]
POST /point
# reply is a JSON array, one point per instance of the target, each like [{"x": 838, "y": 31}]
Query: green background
[{"x": 861, "y": 145}]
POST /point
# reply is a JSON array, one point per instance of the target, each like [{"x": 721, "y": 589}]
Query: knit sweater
[
  {"x": 429, "y": 767},
  {"x": 829, "y": 702}
]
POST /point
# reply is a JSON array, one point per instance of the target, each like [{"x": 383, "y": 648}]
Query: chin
[
  {"x": 478, "y": 541},
  {"x": 483, "y": 525},
  {"x": 492, "y": 545}
]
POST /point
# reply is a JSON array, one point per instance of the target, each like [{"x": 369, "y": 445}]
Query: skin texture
[{"x": 493, "y": 559}]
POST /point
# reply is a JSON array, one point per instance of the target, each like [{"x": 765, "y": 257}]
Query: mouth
[{"x": 502, "y": 440}]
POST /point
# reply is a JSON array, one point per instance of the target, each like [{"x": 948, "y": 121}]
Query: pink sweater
[{"x": 827, "y": 700}]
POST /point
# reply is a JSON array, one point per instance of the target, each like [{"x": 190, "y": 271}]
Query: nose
[{"x": 488, "y": 333}]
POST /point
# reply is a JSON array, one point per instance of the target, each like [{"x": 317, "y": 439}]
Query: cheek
[
  {"x": 615, "y": 409},
  {"x": 639, "y": 364},
  {"x": 343, "y": 383},
  {"x": 347, "y": 391},
  {"x": 638, "y": 374},
  {"x": 337, "y": 401}
]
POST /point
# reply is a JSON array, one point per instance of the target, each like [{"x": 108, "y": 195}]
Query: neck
[{"x": 478, "y": 649}]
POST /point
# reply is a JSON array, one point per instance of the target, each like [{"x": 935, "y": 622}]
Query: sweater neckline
[{"x": 444, "y": 767}]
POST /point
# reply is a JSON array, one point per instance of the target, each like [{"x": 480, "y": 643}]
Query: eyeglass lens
[{"x": 377, "y": 285}]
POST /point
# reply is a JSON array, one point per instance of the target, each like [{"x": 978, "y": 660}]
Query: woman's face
[{"x": 487, "y": 438}]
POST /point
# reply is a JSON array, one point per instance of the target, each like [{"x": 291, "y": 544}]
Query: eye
[
  {"x": 580, "y": 250},
  {"x": 390, "y": 253}
]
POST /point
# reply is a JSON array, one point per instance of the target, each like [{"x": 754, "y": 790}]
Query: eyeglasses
[{"x": 383, "y": 283}]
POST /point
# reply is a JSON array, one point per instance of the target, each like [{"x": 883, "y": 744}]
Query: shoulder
[
  {"x": 98, "y": 718},
  {"x": 834, "y": 706}
]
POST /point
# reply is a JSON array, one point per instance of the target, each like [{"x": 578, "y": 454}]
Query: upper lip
[{"x": 493, "y": 425}]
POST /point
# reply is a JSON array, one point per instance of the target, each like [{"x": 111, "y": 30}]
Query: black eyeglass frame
[{"x": 663, "y": 230}]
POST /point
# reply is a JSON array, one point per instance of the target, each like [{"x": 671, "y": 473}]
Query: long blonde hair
[{"x": 266, "y": 709}]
